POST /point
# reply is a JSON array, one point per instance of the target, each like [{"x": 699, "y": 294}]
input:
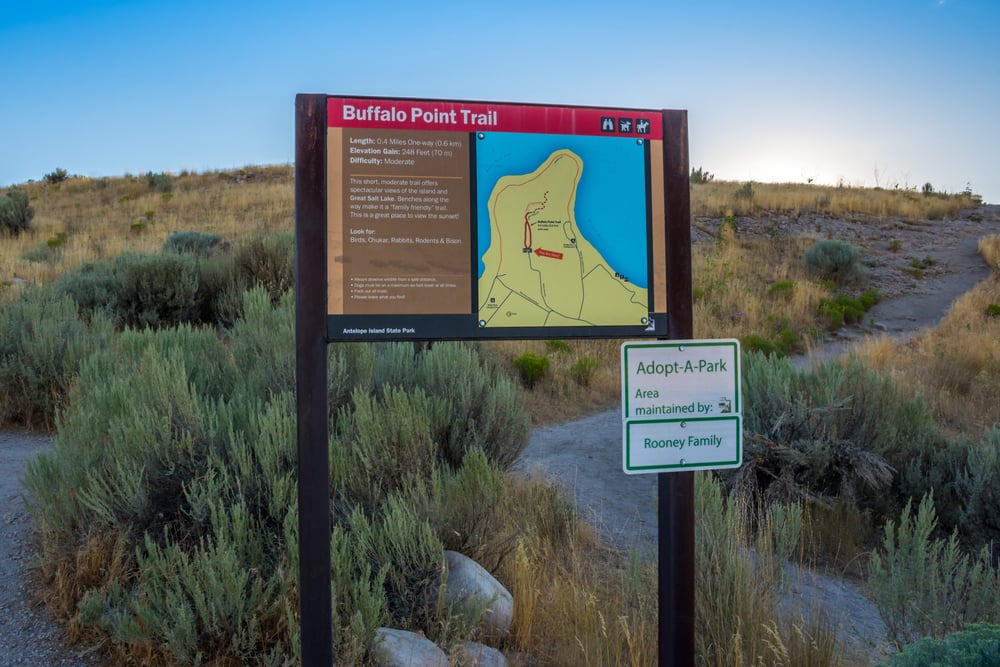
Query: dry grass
[
  {"x": 84, "y": 219},
  {"x": 954, "y": 367},
  {"x": 719, "y": 198},
  {"x": 989, "y": 248},
  {"x": 733, "y": 285},
  {"x": 562, "y": 394},
  {"x": 577, "y": 602}
]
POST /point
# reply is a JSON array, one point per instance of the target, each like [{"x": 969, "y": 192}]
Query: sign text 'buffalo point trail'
[
  {"x": 681, "y": 406},
  {"x": 465, "y": 220}
]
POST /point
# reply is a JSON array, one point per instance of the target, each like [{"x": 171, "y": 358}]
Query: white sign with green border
[{"x": 681, "y": 406}]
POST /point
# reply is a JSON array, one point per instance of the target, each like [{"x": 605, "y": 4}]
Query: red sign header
[{"x": 388, "y": 114}]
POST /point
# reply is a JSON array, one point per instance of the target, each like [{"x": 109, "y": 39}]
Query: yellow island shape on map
[{"x": 539, "y": 269}]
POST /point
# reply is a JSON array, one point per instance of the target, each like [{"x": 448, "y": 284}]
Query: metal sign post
[
  {"x": 310, "y": 380},
  {"x": 675, "y": 491}
]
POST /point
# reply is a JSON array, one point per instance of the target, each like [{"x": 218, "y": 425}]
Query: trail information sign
[
  {"x": 421, "y": 219},
  {"x": 681, "y": 405},
  {"x": 464, "y": 220}
]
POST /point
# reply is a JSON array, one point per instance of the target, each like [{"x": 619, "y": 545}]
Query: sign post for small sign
[{"x": 427, "y": 220}]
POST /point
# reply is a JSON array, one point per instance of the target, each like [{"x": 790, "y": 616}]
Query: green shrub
[
  {"x": 157, "y": 290},
  {"x": 918, "y": 266},
  {"x": 583, "y": 369},
  {"x": 268, "y": 261},
  {"x": 261, "y": 344},
  {"x": 833, "y": 260},
  {"x": 15, "y": 213},
  {"x": 977, "y": 490},
  {"x": 160, "y": 182},
  {"x": 993, "y": 310},
  {"x": 844, "y": 309},
  {"x": 787, "y": 341},
  {"x": 92, "y": 286},
  {"x": 976, "y": 646},
  {"x": 56, "y": 176},
  {"x": 42, "y": 344},
  {"x": 833, "y": 431},
  {"x": 201, "y": 491},
  {"x": 485, "y": 407},
  {"x": 783, "y": 289},
  {"x": 745, "y": 191},
  {"x": 759, "y": 344},
  {"x": 180, "y": 447},
  {"x": 700, "y": 175},
  {"x": 869, "y": 298},
  {"x": 43, "y": 254},
  {"x": 927, "y": 587},
  {"x": 463, "y": 506},
  {"x": 201, "y": 244},
  {"x": 532, "y": 368},
  {"x": 556, "y": 346}
]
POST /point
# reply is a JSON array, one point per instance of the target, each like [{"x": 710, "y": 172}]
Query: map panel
[{"x": 562, "y": 229}]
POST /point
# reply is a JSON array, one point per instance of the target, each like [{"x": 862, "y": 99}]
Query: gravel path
[{"x": 27, "y": 634}]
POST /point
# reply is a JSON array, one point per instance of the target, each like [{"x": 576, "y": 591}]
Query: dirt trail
[{"x": 27, "y": 634}]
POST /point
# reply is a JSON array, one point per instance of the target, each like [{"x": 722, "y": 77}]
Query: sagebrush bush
[
  {"x": 485, "y": 406},
  {"x": 926, "y": 586},
  {"x": 836, "y": 430},
  {"x": 156, "y": 290},
  {"x": 43, "y": 341},
  {"x": 178, "y": 448},
  {"x": 43, "y": 254},
  {"x": 15, "y": 212},
  {"x": 268, "y": 261},
  {"x": 160, "y": 182},
  {"x": 978, "y": 645},
  {"x": 977, "y": 490},
  {"x": 832, "y": 259},
  {"x": 202, "y": 244},
  {"x": 817, "y": 434}
]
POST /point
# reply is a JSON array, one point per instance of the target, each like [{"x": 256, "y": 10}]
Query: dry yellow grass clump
[
  {"x": 954, "y": 366},
  {"x": 83, "y": 219},
  {"x": 718, "y": 198},
  {"x": 753, "y": 286},
  {"x": 989, "y": 248}
]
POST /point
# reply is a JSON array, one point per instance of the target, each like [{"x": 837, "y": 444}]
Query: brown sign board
[{"x": 467, "y": 220}]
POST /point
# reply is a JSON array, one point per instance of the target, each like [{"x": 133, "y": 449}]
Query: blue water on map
[{"x": 610, "y": 199}]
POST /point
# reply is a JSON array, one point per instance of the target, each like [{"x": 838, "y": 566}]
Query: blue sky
[{"x": 864, "y": 92}]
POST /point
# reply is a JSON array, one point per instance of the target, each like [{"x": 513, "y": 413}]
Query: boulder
[
  {"x": 474, "y": 654},
  {"x": 399, "y": 648},
  {"x": 469, "y": 585}
]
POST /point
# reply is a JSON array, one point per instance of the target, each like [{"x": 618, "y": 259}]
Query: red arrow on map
[{"x": 548, "y": 253}]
